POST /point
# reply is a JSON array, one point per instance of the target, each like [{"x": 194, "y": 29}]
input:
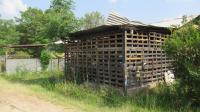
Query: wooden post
[
  {"x": 66, "y": 59},
  {"x": 58, "y": 63},
  {"x": 125, "y": 65},
  {"x": 6, "y": 53},
  {"x": 36, "y": 64},
  {"x": 97, "y": 62}
]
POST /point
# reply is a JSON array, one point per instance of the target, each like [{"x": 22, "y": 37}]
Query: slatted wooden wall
[
  {"x": 98, "y": 60},
  {"x": 144, "y": 53}
]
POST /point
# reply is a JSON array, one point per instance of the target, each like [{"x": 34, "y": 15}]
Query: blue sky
[{"x": 142, "y": 10}]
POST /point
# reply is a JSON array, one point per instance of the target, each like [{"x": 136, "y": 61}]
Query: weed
[{"x": 162, "y": 98}]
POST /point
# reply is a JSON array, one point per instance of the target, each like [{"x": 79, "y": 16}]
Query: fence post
[
  {"x": 36, "y": 65},
  {"x": 6, "y": 53}
]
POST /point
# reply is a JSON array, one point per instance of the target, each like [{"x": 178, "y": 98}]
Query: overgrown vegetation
[
  {"x": 19, "y": 55},
  {"x": 184, "y": 47},
  {"x": 45, "y": 59},
  {"x": 160, "y": 99}
]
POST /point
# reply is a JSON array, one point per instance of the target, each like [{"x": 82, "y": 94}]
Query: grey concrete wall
[{"x": 15, "y": 65}]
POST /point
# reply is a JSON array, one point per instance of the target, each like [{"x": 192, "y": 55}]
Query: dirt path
[{"x": 16, "y": 101}]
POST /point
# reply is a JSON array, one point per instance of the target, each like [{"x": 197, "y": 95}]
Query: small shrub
[
  {"x": 45, "y": 59},
  {"x": 3, "y": 66},
  {"x": 21, "y": 55},
  {"x": 112, "y": 98}
]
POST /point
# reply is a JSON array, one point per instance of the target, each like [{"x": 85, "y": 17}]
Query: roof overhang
[{"x": 110, "y": 29}]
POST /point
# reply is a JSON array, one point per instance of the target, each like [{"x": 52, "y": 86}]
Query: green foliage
[
  {"x": 2, "y": 66},
  {"x": 31, "y": 27},
  {"x": 78, "y": 79},
  {"x": 91, "y": 20},
  {"x": 56, "y": 48},
  {"x": 112, "y": 98},
  {"x": 160, "y": 99},
  {"x": 8, "y": 34},
  {"x": 21, "y": 55},
  {"x": 45, "y": 59},
  {"x": 61, "y": 20},
  {"x": 74, "y": 75},
  {"x": 40, "y": 27},
  {"x": 184, "y": 47},
  {"x": 32, "y": 30},
  {"x": 184, "y": 19}
]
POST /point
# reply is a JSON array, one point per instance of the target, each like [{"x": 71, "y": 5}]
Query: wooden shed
[{"x": 121, "y": 56}]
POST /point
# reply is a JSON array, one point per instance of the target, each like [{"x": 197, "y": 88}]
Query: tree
[
  {"x": 31, "y": 27},
  {"x": 57, "y": 22},
  {"x": 61, "y": 20},
  {"x": 54, "y": 24},
  {"x": 184, "y": 19},
  {"x": 91, "y": 20},
  {"x": 8, "y": 33},
  {"x": 184, "y": 47}
]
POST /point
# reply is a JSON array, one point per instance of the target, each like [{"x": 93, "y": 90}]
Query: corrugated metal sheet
[
  {"x": 174, "y": 21},
  {"x": 116, "y": 19}
]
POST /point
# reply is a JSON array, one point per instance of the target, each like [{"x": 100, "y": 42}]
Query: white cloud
[
  {"x": 167, "y": 1},
  {"x": 11, "y": 8},
  {"x": 177, "y": 1},
  {"x": 113, "y": 1},
  {"x": 117, "y": 1}
]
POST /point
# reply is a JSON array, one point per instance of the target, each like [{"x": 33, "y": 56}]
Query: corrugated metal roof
[{"x": 116, "y": 19}]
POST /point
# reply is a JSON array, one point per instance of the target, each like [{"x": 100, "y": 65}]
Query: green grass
[{"x": 53, "y": 87}]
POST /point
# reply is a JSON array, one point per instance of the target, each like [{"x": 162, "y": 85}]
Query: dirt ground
[{"x": 16, "y": 101}]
